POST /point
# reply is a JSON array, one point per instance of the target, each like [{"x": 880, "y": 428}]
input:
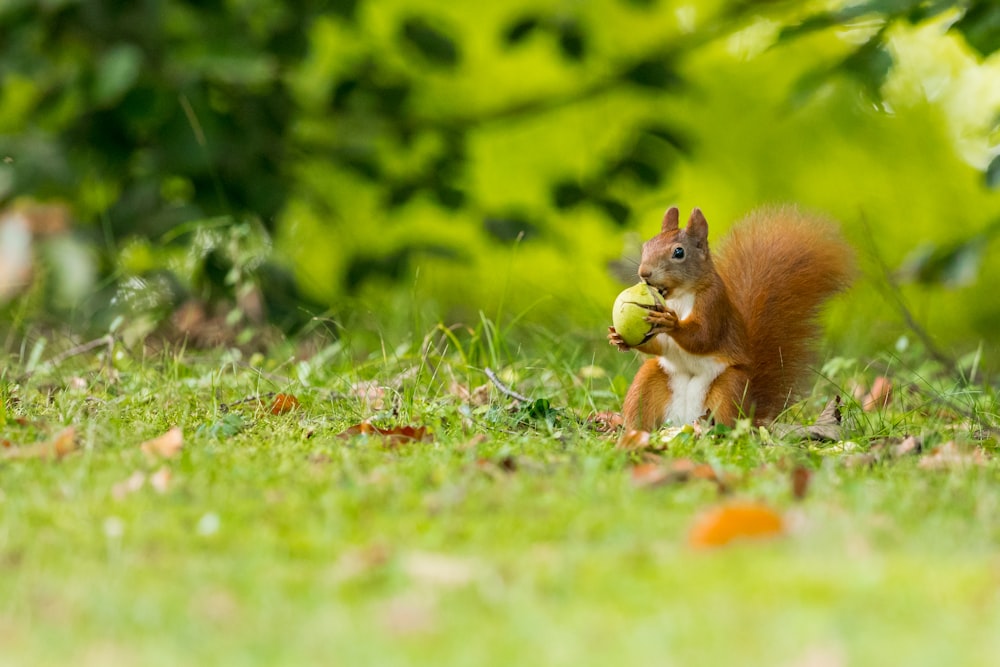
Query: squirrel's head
[{"x": 676, "y": 258}]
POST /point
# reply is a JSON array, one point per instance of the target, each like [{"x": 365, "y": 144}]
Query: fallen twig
[{"x": 504, "y": 389}]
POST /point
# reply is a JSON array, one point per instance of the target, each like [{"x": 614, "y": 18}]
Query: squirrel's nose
[{"x": 645, "y": 273}]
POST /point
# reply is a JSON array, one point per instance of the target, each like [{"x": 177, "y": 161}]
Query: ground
[{"x": 507, "y": 533}]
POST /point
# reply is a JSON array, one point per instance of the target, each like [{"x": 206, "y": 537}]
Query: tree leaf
[
  {"x": 655, "y": 73},
  {"x": 117, "y": 71},
  {"x": 520, "y": 29},
  {"x": 980, "y": 26},
  {"x": 572, "y": 42},
  {"x": 567, "y": 194},
  {"x": 433, "y": 44},
  {"x": 993, "y": 173},
  {"x": 615, "y": 209},
  {"x": 509, "y": 228}
]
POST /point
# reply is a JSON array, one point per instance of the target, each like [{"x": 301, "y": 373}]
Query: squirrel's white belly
[{"x": 691, "y": 376}]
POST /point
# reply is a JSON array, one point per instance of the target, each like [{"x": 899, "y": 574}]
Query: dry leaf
[
  {"x": 676, "y": 470},
  {"x": 606, "y": 422},
  {"x": 880, "y": 395},
  {"x": 439, "y": 569},
  {"x": 475, "y": 397},
  {"x": 950, "y": 455},
  {"x": 826, "y": 427},
  {"x": 370, "y": 393},
  {"x": 165, "y": 446},
  {"x": 160, "y": 480},
  {"x": 359, "y": 562},
  {"x": 15, "y": 254},
  {"x": 910, "y": 445},
  {"x": 801, "y": 476},
  {"x": 633, "y": 439},
  {"x": 734, "y": 521},
  {"x": 283, "y": 403},
  {"x": 409, "y": 614},
  {"x": 62, "y": 444},
  {"x": 129, "y": 486},
  {"x": 862, "y": 460},
  {"x": 397, "y": 435},
  {"x": 649, "y": 474},
  {"x": 502, "y": 464}
]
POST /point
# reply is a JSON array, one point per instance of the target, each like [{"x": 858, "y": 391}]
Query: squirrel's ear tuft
[
  {"x": 697, "y": 227},
  {"x": 671, "y": 220}
]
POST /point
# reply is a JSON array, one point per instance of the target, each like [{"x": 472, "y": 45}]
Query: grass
[{"x": 512, "y": 537}]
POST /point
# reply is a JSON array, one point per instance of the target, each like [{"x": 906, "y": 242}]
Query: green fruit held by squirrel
[{"x": 630, "y": 310}]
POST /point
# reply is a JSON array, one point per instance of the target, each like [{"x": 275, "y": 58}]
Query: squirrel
[{"x": 734, "y": 333}]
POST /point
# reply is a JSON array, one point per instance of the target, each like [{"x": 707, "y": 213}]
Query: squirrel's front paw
[
  {"x": 615, "y": 339},
  {"x": 661, "y": 321}
]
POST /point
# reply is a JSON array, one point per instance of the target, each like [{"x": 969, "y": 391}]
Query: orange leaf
[
  {"x": 391, "y": 436},
  {"x": 166, "y": 446},
  {"x": 283, "y": 403},
  {"x": 62, "y": 444},
  {"x": 722, "y": 525}
]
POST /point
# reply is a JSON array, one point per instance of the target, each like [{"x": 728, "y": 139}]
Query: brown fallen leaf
[
  {"x": 633, "y": 439},
  {"x": 910, "y": 445},
  {"x": 392, "y": 437},
  {"x": 860, "y": 460},
  {"x": 801, "y": 477},
  {"x": 649, "y": 474},
  {"x": 950, "y": 455},
  {"x": 438, "y": 569},
  {"x": 129, "y": 486},
  {"x": 879, "y": 396},
  {"x": 409, "y": 614},
  {"x": 165, "y": 446},
  {"x": 474, "y": 397},
  {"x": 62, "y": 444},
  {"x": 605, "y": 422},
  {"x": 283, "y": 403},
  {"x": 160, "y": 480},
  {"x": 722, "y": 525},
  {"x": 506, "y": 464},
  {"x": 655, "y": 473},
  {"x": 370, "y": 393}
]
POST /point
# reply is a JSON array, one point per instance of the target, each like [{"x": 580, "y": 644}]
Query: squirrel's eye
[{"x": 678, "y": 253}]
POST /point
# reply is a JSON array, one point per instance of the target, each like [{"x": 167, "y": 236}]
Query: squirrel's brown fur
[{"x": 736, "y": 332}]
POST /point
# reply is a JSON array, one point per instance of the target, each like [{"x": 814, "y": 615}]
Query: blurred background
[{"x": 235, "y": 171}]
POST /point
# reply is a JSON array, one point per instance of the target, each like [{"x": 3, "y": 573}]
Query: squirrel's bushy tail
[{"x": 779, "y": 266}]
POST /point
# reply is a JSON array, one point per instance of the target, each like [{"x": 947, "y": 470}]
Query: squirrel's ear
[
  {"x": 671, "y": 220},
  {"x": 697, "y": 227}
]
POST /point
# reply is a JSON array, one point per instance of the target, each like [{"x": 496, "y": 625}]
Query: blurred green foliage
[{"x": 344, "y": 155}]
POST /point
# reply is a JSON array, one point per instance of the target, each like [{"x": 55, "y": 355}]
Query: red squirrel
[{"x": 734, "y": 334}]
